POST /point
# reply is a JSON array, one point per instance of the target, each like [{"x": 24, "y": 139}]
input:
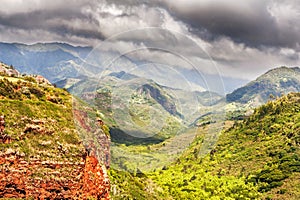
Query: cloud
[
  {"x": 64, "y": 22},
  {"x": 238, "y": 60},
  {"x": 255, "y": 23}
]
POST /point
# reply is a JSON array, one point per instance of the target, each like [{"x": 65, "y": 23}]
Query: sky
[{"x": 243, "y": 39}]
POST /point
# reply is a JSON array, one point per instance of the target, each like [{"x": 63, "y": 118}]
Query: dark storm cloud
[
  {"x": 250, "y": 21},
  {"x": 62, "y": 22},
  {"x": 93, "y": 19},
  {"x": 253, "y": 22}
]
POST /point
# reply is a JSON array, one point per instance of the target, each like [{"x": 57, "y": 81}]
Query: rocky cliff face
[
  {"x": 21, "y": 178},
  {"x": 95, "y": 179},
  {"x": 95, "y": 141},
  {"x": 41, "y": 153}
]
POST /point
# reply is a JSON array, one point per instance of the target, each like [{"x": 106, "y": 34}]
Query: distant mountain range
[
  {"x": 55, "y": 61},
  {"x": 65, "y": 65},
  {"x": 272, "y": 84},
  {"x": 189, "y": 107},
  {"x": 58, "y": 61},
  {"x": 143, "y": 112}
]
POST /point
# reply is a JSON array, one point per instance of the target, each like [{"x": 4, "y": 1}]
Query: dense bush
[{"x": 257, "y": 158}]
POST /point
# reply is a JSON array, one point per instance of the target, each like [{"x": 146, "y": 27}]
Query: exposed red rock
[
  {"x": 63, "y": 180},
  {"x": 80, "y": 116},
  {"x": 95, "y": 179},
  {"x": 8, "y": 70},
  {"x": 40, "y": 79},
  {"x": 99, "y": 143},
  {"x": 2, "y": 124},
  {"x": 22, "y": 177}
]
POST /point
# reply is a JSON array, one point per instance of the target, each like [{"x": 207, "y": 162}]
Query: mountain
[
  {"x": 123, "y": 75},
  {"x": 62, "y": 143},
  {"x": 272, "y": 84},
  {"x": 55, "y": 61},
  {"x": 116, "y": 88},
  {"x": 258, "y": 158},
  {"x": 142, "y": 113},
  {"x": 59, "y": 61},
  {"x": 138, "y": 106},
  {"x": 47, "y": 147},
  {"x": 212, "y": 82}
]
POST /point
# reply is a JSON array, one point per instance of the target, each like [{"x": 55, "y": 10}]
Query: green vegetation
[
  {"x": 132, "y": 186},
  {"x": 39, "y": 120},
  {"x": 257, "y": 158},
  {"x": 235, "y": 169},
  {"x": 192, "y": 177},
  {"x": 274, "y": 83},
  {"x": 266, "y": 148}
]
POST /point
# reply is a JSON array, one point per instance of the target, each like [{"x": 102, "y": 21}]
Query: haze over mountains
[
  {"x": 274, "y": 147},
  {"x": 155, "y": 114},
  {"x": 181, "y": 93},
  {"x": 58, "y": 61}
]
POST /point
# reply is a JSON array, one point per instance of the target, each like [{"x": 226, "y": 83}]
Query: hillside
[
  {"x": 142, "y": 113},
  {"x": 256, "y": 158},
  {"x": 120, "y": 85},
  {"x": 274, "y": 83},
  {"x": 41, "y": 153}
]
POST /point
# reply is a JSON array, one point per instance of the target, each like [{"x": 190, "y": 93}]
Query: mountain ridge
[
  {"x": 78, "y": 60},
  {"x": 273, "y": 83}
]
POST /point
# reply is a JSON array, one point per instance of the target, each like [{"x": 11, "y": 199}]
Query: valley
[{"x": 155, "y": 141}]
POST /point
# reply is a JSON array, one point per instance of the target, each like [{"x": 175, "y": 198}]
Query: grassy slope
[
  {"x": 258, "y": 158},
  {"x": 132, "y": 186},
  {"x": 21, "y": 105},
  {"x": 48, "y": 111}
]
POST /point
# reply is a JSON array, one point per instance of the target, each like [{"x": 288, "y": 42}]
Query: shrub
[
  {"x": 30, "y": 79},
  {"x": 37, "y": 92}
]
